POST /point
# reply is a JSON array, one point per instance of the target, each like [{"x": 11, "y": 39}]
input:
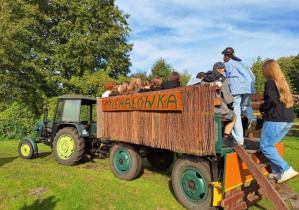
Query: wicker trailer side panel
[{"x": 188, "y": 130}]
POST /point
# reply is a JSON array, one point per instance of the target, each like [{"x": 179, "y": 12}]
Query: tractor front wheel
[
  {"x": 68, "y": 146},
  {"x": 25, "y": 149}
]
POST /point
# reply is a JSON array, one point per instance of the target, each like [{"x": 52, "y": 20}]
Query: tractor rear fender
[
  {"x": 34, "y": 145},
  {"x": 75, "y": 125}
]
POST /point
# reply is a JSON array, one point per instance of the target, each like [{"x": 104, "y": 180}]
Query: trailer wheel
[
  {"x": 25, "y": 149},
  {"x": 125, "y": 162},
  {"x": 160, "y": 158},
  {"x": 191, "y": 181},
  {"x": 68, "y": 146}
]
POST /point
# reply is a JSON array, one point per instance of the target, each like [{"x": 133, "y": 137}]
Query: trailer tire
[
  {"x": 125, "y": 162},
  {"x": 25, "y": 149},
  {"x": 160, "y": 158},
  {"x": 191, "y": 183},
  {"x": 68, "y": 146}
]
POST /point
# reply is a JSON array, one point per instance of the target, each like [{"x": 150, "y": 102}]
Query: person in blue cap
[{"x": 242, "y": 87}]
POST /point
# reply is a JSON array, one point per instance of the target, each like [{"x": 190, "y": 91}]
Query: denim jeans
[
  {"x": 242, "y": 106},
  {"x": 272, "y": 133}
]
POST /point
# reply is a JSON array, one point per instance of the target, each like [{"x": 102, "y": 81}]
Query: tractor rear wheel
[
  {"x": 68, "y": 146},
  {"x": 25, "y": 149},
  {"x": 160, "y": 158},
  {"x": 125, "y": 162}
]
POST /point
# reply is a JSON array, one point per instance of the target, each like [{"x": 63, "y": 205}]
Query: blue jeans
[
  {"x": 242, "y": 106},
  {"x": 272, "y": 133}
]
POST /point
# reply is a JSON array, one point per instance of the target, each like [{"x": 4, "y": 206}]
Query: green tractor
[{"x": 71, "y": 134}]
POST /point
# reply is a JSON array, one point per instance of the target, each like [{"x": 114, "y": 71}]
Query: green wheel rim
[
  {"x": 122, "y": 161},
  {"x": 65, "y": 146},
  {"x": 25, "y": 149},
  {"x": 193, "y": 185}
]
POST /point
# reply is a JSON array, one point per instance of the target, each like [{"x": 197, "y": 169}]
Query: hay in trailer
[{"x": 181, "y": 119}]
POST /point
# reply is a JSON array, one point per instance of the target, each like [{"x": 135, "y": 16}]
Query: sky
[{"x": 191, "y": 34}]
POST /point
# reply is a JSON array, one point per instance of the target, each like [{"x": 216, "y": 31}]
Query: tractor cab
[
  {"x": 75, "y": 111},
  {"x": 78, "y": 112}
]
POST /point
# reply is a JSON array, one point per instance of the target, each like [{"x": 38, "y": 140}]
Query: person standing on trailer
[
  {"x": 242, "y": 87},
  {"x": 226, "y": 108},
  {"x": 278, "y": 118}
]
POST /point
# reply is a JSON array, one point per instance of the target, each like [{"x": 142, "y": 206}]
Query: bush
[{"x": 16, "y": 121}]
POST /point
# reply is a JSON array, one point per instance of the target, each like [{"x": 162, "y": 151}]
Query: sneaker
[
  {"x": 226, "y": 142},
  {"x": 251, "y": 126},
  {"x": 289, "y": 174},
  {"x": 274, "y": 176}
]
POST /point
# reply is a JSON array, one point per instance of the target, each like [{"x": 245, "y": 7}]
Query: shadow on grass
[
  {"x": 45, "y": 204},
  {"x": 44, "y": 154},
  {"x": 4, "y": 161},
  {"x": 166, "y": 172}
]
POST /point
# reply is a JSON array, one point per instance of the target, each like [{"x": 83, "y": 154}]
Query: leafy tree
[
  {"x": 141, "y": 75},
  {"x": 256, "y": 69},
  {"x": 162, "y": 69},
  {"x": 290, "y": 67},
  {"x": 48, "y": 47},
  {"x": 294, "y": 74},
  {"x": 185, "y": 76}
]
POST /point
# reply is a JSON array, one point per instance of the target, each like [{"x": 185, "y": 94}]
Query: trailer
[{"x": 176, "y": 127}]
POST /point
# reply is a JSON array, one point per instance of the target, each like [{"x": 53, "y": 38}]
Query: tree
[
  {"x": 47, "y": 46},
  {"x": 290, "y": 67},
  {"x": 185, "y": 76},
  {"x": 162, "y": 69},
  {"x": 294, "y": 74},
  {"x": 141, "y": 75},
  {"x": 256, "y": 69}
]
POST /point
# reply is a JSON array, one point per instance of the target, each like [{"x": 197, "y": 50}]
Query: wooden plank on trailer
[
  {"x": 237, "y": 173},
  {"x": 185, "y": 123},
  {"x": 261, "y": 179}
]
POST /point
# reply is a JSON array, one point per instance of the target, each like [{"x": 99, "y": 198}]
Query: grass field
[{"x": 42, "y": 183}]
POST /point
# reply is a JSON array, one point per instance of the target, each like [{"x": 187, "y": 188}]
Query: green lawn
[{"x": 42, "y": 183}]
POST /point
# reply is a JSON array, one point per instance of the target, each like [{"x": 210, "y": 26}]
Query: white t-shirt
[{"x": 106, "y": 94}]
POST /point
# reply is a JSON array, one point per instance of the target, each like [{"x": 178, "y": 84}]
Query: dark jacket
[
  {"x": 170, "y": 84},
  {"x": 156, "y": 89},
  {"x": 273, "y": 109},
  {"x": 225, "y": 93},
  {"x": 144, "y": 90}
]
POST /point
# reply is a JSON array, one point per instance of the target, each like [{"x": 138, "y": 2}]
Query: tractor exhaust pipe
[{"x": 45, "y": 115}]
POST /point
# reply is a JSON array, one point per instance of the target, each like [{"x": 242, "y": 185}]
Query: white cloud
[{"x": 191, "y": 34}]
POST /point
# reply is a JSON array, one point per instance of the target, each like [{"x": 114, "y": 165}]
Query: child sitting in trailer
[
  {"x": 156, "y": 83},
  {"x": 174, "y": 81},
  {"x": 115, "y": 90},
  {"x": 146, "y": 87},
  {"x": 108, "y": 88},
  {"x": 134, "y": 85},
  {"x": 124, "y": 90},
  {"x": 226, "y": 108}
]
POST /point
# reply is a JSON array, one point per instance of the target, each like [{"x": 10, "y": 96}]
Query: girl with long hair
[
  {"x": 146, "y": 87},
  {"x": 278, "y": 118},
  {"x": 156, "y": 83},
  {"x": 134, "y": 85},
  {"x": 124, "y": 90},
  {"x": 174, "y": 81}
]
